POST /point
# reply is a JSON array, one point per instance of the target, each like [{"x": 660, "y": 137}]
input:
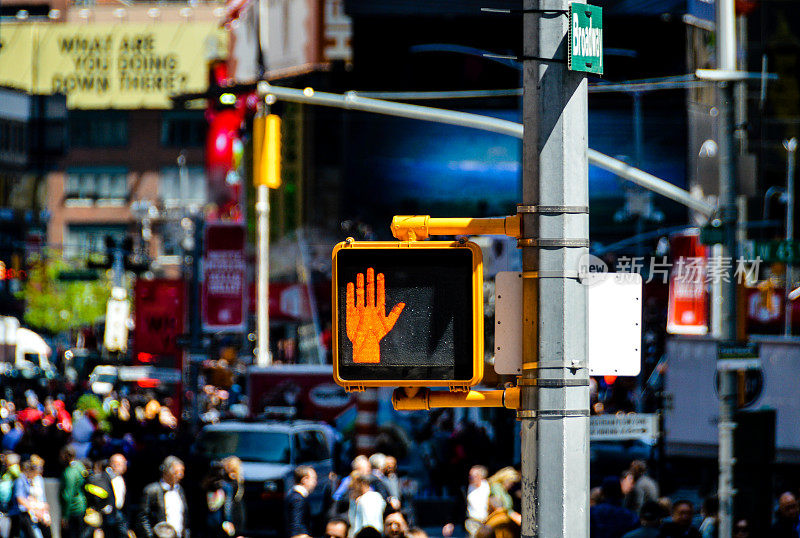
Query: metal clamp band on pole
[
  {"x": 552, "y": 243},
  {"x": 561, "y": 383},
  {"x": 555, "y": 365},
  {"x": 552, "y": 209},
  {"x": 552, "y": 413},
  {"x": 551, "y": 274},
  {"x": 540, "y": 59}
]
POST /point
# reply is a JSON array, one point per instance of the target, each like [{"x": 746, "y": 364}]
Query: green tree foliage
[{"x": 58, "y": 307}]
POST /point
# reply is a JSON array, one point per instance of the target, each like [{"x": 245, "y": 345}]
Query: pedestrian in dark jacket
[
  {"x": 219, "y": 502},
  {"x": 787, "y": 518},
  {"x": 298, "y": 512},
  {"x": 608, "y": 519},
  {"x": 650, "y": 518},
  {"x": 164, "y": 503},
  {"x": 681, "y": 524}
]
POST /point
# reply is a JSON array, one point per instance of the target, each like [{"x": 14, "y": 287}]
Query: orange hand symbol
[{"x": 367, "y": 322}]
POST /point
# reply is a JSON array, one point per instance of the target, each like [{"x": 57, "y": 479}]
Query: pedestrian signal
[{"x": 407, "y": 314}]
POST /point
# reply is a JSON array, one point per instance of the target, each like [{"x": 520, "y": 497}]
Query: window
[
  {"x": 12, "y": 136},
  {"x": 96, "y": 186},
  {"x": 183, "y": 128},
  {"x": 255, "y": 446},
  {"x": 174, "y": 194},
  {"x": 82, "y": 239},
  {"x": 310, "y": 446},
  {"x": 98, "y": 128}
]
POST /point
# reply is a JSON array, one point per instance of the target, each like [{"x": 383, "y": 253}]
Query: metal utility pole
[
  {"x": 554, "y": 408},
  {"x": 266, "y": 175},
  {"x": 263, "y": 357},
  {"x": 728, "y": 213},
  {"x": 791, "y": 148},
  {"x": 193, "y": 250}
]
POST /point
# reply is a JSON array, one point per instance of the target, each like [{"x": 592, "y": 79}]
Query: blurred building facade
[{"x": 116, "y": 67}]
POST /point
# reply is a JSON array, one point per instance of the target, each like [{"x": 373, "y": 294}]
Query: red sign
[
  {"x": 687, "y": 310},
  {"x": 159, "y": 315},
  {"x": 309, "y": 389},
  {"x": 224, "y": 277},
  {"x": 290, "y": 301},
  {"x": 765, "y": 308}
]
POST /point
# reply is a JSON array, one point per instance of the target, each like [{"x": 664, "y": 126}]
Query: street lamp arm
[{"x": 352, "y": 101}]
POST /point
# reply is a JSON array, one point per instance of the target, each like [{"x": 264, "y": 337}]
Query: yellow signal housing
[
  {"x": 407, "y": 314},
  {"x": 267, "y": 151}
]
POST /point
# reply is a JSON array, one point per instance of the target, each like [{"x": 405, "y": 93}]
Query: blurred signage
[
  {"x": 224, "y": 277},
  {"x": 289, "y": 301},
  {"x": 766, "y": 310},
  {"x": 138, "y": 373},
  {"x": 773, "y": 251},
  {"x": 687, "y": 310},
  {"x": 635, "y": 426},
  {"x": 118, "y": 311},
  {"x": 110, "y": 65},
  {"x": 735, "y": 356},
  {"x": 159, "y": 315},
  {"x": 17, "y": 56},
  {"x": 307, "y": 389}
]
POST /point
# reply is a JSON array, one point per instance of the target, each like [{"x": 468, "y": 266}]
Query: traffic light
[
  {"x": 407, "y": 314},
  {"x": 267, "y": 151}
]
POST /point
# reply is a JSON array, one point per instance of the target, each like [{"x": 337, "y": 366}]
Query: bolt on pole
[{"x": 554, "y": 391}]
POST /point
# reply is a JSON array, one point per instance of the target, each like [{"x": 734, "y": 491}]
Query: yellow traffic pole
[
  {"x": 425, "y": 399},
  {"x": 416, "y": 227}
]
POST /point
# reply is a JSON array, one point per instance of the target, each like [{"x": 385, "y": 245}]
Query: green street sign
[
  {"x": 737, "y": 350},
  {"x": 585, "y": 38},
  {"x": 776, "y": 251}
]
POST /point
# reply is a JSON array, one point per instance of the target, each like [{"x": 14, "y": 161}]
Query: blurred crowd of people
[
  {"x": 630, "y": 506},
  {"x": 369, "y": 502}
]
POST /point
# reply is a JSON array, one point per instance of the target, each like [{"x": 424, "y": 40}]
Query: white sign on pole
[
  {"x": 635, "y": 426},
  {"x": 614, "y": 319},
  {"x": 118, "y": 311},
  {"x": 614, "y": 312}
]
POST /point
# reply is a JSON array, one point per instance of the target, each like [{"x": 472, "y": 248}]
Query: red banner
[
  {"x": 687, "y": 310},
  {"x": 224, "y": 277},
  {"x": 159, "y": 314}
]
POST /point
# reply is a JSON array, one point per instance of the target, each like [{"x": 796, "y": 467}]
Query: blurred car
[
  {"x": 269, "y": 452},
  {"x": 102, "y": 379}
]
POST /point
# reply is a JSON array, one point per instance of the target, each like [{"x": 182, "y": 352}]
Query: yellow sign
[
  {"x": 116, "y": 65},
  {"x": 16, "y": 56}
]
